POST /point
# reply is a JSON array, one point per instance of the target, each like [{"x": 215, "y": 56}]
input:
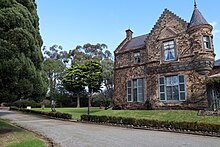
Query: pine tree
[{"x": 20, "y": 51}]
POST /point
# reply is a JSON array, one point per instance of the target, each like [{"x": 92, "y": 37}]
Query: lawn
[
  {"x": 76, "y": 112},
  {"x": 12, "y": 136},
  {"x": 170, "y": 115},
  {"x": 163, "y": 115}
]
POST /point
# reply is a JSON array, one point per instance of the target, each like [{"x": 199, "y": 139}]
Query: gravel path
[{"x": 73, "y": 134}]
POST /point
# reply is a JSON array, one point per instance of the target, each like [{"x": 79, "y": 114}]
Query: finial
[{"x": 195, "y": 5}]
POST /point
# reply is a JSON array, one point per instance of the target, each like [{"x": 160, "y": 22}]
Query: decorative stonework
[{"x": 192, "y": 60}]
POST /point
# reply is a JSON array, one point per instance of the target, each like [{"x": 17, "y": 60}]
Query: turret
[{"x": 200, "y": 32}]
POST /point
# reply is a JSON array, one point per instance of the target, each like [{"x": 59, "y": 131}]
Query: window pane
[
  {"x": 137, "y": 58},
  {"x": 172, "y": 80},
  {"x": 182, "y": 87},
  {"x": 129, "y": 90},
  {"x": 140, "y": 82},
  {"x": 175, "y": 80},
  {"x": 162, "y": 96},
  {"x": 169, "y": 54},
  {"x": 129, "y": 98},
  {"x": 135, "y": 83},
  {"x": 181, "y": 78},
  {"x": 175, "y": 93},
  {"x": 182, "y": 96},
  {"x": 169, "y": 92},
  {"x": 162, "y": 89},
  {"x": 129, "y": 83},
  {"x": 206, "y": 40},
  {"x": 137, "y": 54},
  {"x": 140, "y": 97},
  {"x": 135, "y": 95},
  {"x": 169, "y": 50},
  {"x": 162, "y": 80}
]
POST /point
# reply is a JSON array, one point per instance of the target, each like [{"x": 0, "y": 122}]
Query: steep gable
[
  {"x": 166, "y": 18},
  {"x": 168, "y": 26}
]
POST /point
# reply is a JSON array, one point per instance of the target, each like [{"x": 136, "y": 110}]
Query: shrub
[
  {"x": 52, "y": 114},
  {"x": 128, "y": 121},
  {"x": 25, "y": 103},
  {"x": 13, "y": 108},
  {"x": 193, "y": 126},
  {"x": 85, "y": 117},
  {"x": 45, "y": 102}
]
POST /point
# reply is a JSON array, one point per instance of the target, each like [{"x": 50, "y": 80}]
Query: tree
[
  {"x": 108, "y": 76},
  {"x": 89, "y": 73},
  {"x": 55, "y": 61},
  {"x": 21, "y": 57},
  {"x": 87, "y": 52},
  {"x": 100, "y": 53}
]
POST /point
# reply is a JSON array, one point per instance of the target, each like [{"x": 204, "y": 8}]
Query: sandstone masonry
[{"x": 167, "y": 68}]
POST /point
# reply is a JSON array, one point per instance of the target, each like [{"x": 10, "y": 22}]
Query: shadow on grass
[{"x": 5, "y": 127}]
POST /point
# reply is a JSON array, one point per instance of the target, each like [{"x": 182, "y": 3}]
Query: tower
[{"x": 200, "y": 35}]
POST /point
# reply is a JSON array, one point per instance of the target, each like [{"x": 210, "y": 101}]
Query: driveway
[{"x": 75, "y": 134}]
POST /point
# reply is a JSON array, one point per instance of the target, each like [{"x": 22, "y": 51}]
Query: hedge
[
  {"x": 52, "y": 114},
  {"x": 192, "y": 126}
]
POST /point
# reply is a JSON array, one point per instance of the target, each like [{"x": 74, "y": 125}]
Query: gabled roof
[
  {"x": 170, "y": 13},
  {"x": 197, "y": 19},
  {"x": 217, "y": 62},
  {"x": 136, "y": 42}
]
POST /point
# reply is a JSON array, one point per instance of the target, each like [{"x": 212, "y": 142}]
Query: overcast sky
[{"x": 75, "y": 22}]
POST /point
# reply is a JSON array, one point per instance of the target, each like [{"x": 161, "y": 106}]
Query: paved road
[{"x": 72, "y": 134}]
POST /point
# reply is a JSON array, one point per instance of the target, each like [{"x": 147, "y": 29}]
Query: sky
[{"x": 76, "y": 22}]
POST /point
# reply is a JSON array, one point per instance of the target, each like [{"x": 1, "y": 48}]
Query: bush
[
  {"x": 45, "y": 102},
  {"x": 128, "y": 121},
  {"x": 193, "y": 126},
  {"x": 98, "y": 102},
  {"x": 25, "y": 103},
  {"x": 52, "y": 114},
  {"x": 13, "y": 108}
]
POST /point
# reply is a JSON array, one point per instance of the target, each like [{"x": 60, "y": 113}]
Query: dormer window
[
  {"x": 169, "y": 50},
  {"x": 206, "y": 42},
  {"x": 137, "y": 58}
]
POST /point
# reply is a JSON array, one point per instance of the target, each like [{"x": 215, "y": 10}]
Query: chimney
[{"x": 129, "y": 34}]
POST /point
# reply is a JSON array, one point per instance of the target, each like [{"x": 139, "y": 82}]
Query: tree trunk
[{"x": 78, "y": 102}]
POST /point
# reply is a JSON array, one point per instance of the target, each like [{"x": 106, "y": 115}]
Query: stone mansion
[{"x": 166, "y": 68}]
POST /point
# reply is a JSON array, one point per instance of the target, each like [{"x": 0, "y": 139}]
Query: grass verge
[
  {"x": 162, "y": 115},
  {"x": 76, "y": 112},
  {"x": 11, "y": 136}
]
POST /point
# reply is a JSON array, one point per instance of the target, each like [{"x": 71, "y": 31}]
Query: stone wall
[{"x": 192, "y": 60}]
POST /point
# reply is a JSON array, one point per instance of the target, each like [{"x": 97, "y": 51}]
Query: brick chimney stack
[{"x": 129, "y": 34}]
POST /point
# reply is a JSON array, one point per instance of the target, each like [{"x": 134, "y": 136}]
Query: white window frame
[
  {"x": 169, "y": 48},
  {"x": 179, "y": 90},
  {"x": 137, "y": 57},
  {"x": 131, "y": 91},
  {"x": 139, "y": 99},
  {"x": 206, "y": 42}
]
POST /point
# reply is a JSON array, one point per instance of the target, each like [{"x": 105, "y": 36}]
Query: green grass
[
  {"x": 163, "y": 115},
  {"x": 11, "y": 136},
  {"x": 76, "y": 112}
]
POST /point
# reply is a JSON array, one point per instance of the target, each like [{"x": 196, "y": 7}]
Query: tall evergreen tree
[{"x": 20, "y": 51}]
